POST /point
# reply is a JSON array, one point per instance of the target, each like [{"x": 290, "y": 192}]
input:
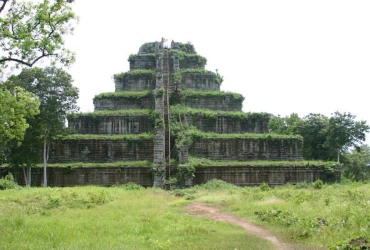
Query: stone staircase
[{"x": 166, "y": 113}]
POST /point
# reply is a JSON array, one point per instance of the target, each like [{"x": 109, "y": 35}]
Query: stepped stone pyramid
[{"x": 168, "y": 108}]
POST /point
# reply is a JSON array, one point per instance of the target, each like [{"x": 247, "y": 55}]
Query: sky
[{"x": 284, "y": 57}]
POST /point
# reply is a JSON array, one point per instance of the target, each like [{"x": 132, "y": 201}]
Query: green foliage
[
  {"x": 186, "y": 94},
  {"x": 186, "y": 47},
  {"x": 302, "y": 185},
  {"x": 324, "y": 138},
  {"x": 195, "y": 133},
  {"x": 343, "y": 131},
  {"x": 71, "y": 165},
  {"x": 318, "y": 184},
  {"x": 134, "y": 95},
  {"x": 219, "y": 78},
  {"x": 356, "y": 164},
  {"x": 147, "y": 48},
  {"x": 188, "y": 58},
  {"x": 131, "y": 186},
  {"x": 130, "y": 58},
  {"x": 285, "y": 125},
  {"x": 185, "y": 171},
  {"x": 123, "y": 112},
  {"x": 181, "y": 110},
  {"x": 8, "y": 182},
  {"x": 147, "y": 56},
  {"x": 110, "y": 218},
  {"x": 16, "y": 106},
  {"x": 58, "y": 98},
  {"x": 203, "y": 162},
  {"x": 32, "y": 31},
  {"x": 158, "y": 93},
  {"x": 265, "y": 187},
  {"x": 137, "y": 74},
  {"x": 130, "y": 137},
  {"x": 216, "y": 184}
]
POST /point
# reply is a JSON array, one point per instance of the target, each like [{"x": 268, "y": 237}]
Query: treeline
[{"x": 336, "y": 138}]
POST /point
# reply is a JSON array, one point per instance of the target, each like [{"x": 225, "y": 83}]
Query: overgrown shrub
[
  {"x": 217, "y": 185},
  {"x": 318, "y": 184},
  {"x": 265, "y": 187},
  {"x": 131, "y": 186},
  {"x": 8, "y": 182},
  {"x": 302, "y": 185}
]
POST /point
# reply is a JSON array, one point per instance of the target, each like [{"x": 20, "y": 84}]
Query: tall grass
[
  {"x": 121, "y": 217},
  {"x": 328, "y": 216},
  {"x": 131, "y": 217}
]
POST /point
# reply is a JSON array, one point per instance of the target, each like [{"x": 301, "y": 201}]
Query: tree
[
  {"x": 285, "y": 125},
  {"x": 344, "y": 131},
  {"x": 29, "y": 152},
  {"x": 323, "y": 138},
  {"x": 30, "y": 32},
  {"x": 313, "y": 131},
  {"x": 15, "y": 107},
  {"x": 356, "y": 164},
  {"x": 58, "y": 97}
]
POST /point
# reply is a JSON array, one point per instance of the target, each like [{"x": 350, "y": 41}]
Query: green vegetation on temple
[
  {"x": 203, "y": 162},
  {"x": 186, "y": 57},
  {"x": 137, "y": 73},
  {"x": 124, "y": 112},
  {"x": 125, "y": 94},
  {"x": 107, "y": 137},
  {"x": 177, "y": 75},
  {"x": 197, "y": 134},
  {"x": 101, "y": 164},
  {"x": 212, "y": 114},
  {"x": 187, "y": 94}
]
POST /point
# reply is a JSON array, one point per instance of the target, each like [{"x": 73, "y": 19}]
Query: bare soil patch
[{"x": 207, "y": 211}]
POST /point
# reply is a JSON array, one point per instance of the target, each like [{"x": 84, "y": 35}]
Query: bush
[
  {"x": 318, "y": 184},
  {"x": 265, "y": 187},
  {"x": 131, "y": 186},
  {"x": 215, "y": 184},
  {"x": 8, "y": 182},
  {"x": 302, "y": 185}
]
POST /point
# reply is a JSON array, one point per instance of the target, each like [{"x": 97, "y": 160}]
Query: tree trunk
[
  {"x": 45, "y": 162},
  {"x": 27, "y": 175},
  {"x": 338, "y": 155}
]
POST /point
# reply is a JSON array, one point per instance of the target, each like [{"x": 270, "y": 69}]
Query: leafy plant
[
  {"x": 107, "y": 137},
  {"x": 8, "y": 182},
  {"x": 318, "y": 184},
  {"x": 137, "y": 74},
  {"x": 135, "y": 95}
]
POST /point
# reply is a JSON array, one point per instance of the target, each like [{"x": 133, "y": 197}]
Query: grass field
[
  {"x": 110, "y": 218},
  {"x": 130, "y": 217}
]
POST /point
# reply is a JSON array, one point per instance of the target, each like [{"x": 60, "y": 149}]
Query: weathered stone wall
[
  {"x": 199, "y": 81},
  {"x": 80, "y": 176},
  {"x": 123, "y": 103},
  {"x": 225, "y": 149},
  {"x": 224, "y": 124},
  {"x": 225, "y": 103},
  {"x": 111, "y": 124},
  {"x": 143, "y": 61},
  {"x": 253, "y": 176},
  {"x": 191, "y": 63},
  {"x": 238, "y": 175},
  {"x": 130, "y": 83},
  {"x": 101, "y": 150}
]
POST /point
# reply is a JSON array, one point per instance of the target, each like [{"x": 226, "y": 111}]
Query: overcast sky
[{"x": 283, "y": 56}]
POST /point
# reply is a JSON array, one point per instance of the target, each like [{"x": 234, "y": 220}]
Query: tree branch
[
  {"x": 29, "y": 64},
  {"x": 3, "y": 6}
]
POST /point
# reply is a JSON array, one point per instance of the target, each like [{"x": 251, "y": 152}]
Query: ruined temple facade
[{"x": 168, "y": 108}]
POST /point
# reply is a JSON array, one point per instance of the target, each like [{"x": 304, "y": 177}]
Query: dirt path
[{"x": 207, "y": 211}]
